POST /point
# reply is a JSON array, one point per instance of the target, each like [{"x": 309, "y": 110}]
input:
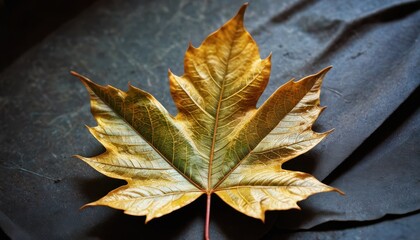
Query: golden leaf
[{"x": 219, "y": 142}]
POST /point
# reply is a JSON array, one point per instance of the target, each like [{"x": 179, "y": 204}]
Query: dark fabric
[
  {"x": 373, "y": 46},
  {"x": 391, "y": 227}
]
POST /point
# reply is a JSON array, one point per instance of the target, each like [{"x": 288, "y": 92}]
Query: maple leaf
[{"x": 219, "y": 142}]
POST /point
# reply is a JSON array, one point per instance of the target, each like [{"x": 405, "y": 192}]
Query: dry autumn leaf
[{"x": 219, "y": 142}]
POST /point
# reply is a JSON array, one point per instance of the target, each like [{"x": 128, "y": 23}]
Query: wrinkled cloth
[{"x": 373, "y": 46}]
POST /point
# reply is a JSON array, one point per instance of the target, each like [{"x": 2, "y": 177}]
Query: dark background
[
  {"x": 23, "y": 23},
  {"x": 372, "y": 97}
]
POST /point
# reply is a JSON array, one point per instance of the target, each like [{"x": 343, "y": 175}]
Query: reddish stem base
[{"x": 207, "y": 224}]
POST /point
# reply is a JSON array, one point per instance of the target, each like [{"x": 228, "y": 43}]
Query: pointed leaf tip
[
  {"x": 76, "y": 74},
  {"x": 243, "y": 8},
  {"x": 325, "y": 70},
  {"x": 241, "y": 13},
  {"x": 82, "y": 78},
  {"x": 339, "y": 191}
]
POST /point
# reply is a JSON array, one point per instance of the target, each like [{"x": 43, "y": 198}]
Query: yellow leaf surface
[{"x": 219, "y": 142}]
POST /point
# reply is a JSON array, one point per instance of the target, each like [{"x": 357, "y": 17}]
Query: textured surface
[
  {"x": 392, "y": 227},
  {"x": 373, "y": 46}
]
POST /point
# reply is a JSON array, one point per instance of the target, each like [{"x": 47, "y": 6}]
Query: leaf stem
[{"x": 207, "y": 224}]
